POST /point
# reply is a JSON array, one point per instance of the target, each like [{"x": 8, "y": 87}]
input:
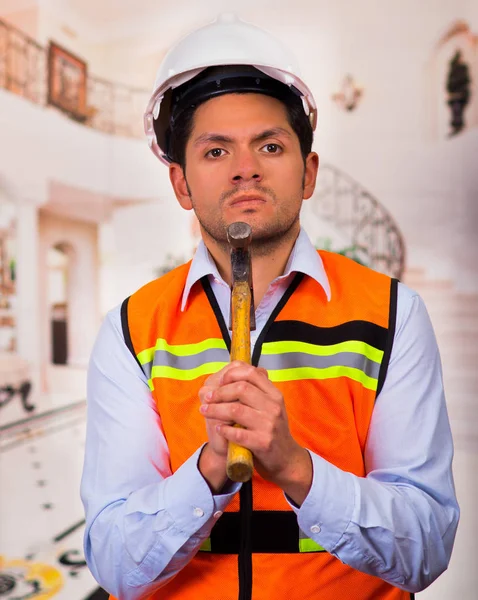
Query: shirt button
[
  {"x": 315, "y": 529},
  {"x": 217, "y": 514},
  {"x": 198, "y": 512}
]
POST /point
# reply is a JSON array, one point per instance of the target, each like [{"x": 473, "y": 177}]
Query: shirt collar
[{"x": 303, "y": 259}]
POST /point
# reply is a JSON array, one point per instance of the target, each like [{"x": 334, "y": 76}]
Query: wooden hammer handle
[{"x": 239, "y": 459}]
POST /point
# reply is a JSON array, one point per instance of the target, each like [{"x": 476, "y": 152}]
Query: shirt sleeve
[
  {"x": 143, "y": 523},
  {"x": 399, "y": 522}
]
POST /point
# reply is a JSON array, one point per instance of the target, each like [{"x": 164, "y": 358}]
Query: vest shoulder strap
[
  {"x": 392, "y": 319},
  {"x": 126, "y": 331},
  {"x": 145, "y": 301}
]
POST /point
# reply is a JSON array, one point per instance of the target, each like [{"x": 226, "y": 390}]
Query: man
[{"x": 343, "y": 407}]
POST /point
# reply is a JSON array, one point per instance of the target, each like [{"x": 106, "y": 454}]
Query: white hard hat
[{"x": 226, "y": 41}]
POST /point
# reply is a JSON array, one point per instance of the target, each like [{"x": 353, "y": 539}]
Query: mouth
[{"x": 247, "y": 201}]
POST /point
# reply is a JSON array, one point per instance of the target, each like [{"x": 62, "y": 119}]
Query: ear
[
  {"x": 180, "y": 185},
  {"x": 310, "y": 175}
]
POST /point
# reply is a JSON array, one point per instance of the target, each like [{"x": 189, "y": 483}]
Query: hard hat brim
[{"x": 154, "y": 108}]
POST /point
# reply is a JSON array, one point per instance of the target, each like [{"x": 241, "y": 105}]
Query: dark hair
[{"x": 178, "y": 135}]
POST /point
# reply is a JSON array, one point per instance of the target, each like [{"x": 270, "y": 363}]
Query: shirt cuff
[
  {"x": 197, "y": 506},
  {"x": 327, "y": 510}
]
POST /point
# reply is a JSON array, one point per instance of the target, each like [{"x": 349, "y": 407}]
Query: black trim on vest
[
  {"x": 246, "y": 513},
  {"x": 126, "y": 332},
  {"x": 245, "y": 591},
  {"x": 244, "y": 559},
  {"x": 392, "y": 318},
  {"x": 298, "y": 331},
  {"x": 243, "y": 523},
  {"x": 272, "y": 532},
  {"x": 282, "y": 302},
  {"x": 217, "y": 311}
]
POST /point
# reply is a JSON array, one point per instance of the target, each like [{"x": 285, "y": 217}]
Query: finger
[
  {"x": 230, "y": 413},
  {"x": 256, "y": 376},
  {"x": 244, "y": 437},
  {"x": 216, "y": 378},
  {"x": 214, "y": 381},
  {"x": 205, "y": 393},
  {"x": 245, "y": 393},
  {"x": 214, "y": 395}
]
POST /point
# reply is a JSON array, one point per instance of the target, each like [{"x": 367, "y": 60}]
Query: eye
[
  {"x": 215, "y": 153},
  {"x": 272, "y": 148}
]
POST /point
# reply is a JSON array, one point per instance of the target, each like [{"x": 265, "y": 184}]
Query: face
[{"x": 243, "y": 163}]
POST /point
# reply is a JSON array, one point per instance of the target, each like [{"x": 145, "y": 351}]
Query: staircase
[{"x": 455, "y": 319}]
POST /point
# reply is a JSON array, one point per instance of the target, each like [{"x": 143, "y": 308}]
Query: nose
[{"x": 246, "y": 168}]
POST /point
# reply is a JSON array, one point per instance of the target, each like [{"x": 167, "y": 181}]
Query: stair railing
[{"x": 375, "y": 239}]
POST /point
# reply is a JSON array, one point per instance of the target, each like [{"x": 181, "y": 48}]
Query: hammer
[{"x": 239, "y": 235}]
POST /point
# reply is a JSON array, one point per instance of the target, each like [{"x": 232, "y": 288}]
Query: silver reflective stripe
[
  {"x": 163, "y": 358},
  {"x": 294, "y": 360}
]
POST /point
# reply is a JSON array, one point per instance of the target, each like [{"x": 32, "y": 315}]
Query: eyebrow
[{"x": 206, "y": 138}]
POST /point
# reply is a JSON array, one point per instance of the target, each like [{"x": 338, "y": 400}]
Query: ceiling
[
  {"x": 83, "y": 205},
  {"x": 106, "y": 12},
  {"x": 109, "y": 20}
]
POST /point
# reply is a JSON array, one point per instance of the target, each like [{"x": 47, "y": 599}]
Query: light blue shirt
[{"x": 144, "y": 524}]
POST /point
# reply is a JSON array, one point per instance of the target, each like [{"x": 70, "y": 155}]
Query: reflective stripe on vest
[
  {"x": 184, "y": 362},
  {"x": 292, "y": 361},
  {"x": 284, "y": 361}
]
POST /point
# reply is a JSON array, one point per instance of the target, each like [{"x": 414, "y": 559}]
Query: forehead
[{"x": 239, "y": 111}]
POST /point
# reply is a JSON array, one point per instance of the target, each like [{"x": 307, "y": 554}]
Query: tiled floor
[{"x": 41, "y": 519}]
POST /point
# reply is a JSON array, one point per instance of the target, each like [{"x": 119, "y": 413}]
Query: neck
[{"x": 268, "y": 260}]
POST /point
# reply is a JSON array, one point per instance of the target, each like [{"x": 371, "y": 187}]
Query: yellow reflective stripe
[
  {"x": 187, "y": 374},
  {"x": 146, "y": 356},
  {"x": 327, "y": 373},
  {"x": 355, "y": 346},
  {"x": 308, "y": 545},
  {"x": 206, "y": 545}
]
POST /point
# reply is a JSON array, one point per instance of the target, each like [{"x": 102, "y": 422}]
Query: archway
[
  {"x": 452, "y": 97},
  {"x": 59, "y": 259}
]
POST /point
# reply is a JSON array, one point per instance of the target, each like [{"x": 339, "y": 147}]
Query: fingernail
[
  {"x": 208, "y": 396},
  {"x": 203, "y": 408}
]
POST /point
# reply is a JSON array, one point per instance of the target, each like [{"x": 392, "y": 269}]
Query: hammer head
[{"x": 239, "y": 236}]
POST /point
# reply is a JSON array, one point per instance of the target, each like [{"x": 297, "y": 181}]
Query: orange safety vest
[{"x": 329, "y": 359}]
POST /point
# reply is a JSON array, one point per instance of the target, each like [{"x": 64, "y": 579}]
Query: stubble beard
[{"x": 266, "y": 239}]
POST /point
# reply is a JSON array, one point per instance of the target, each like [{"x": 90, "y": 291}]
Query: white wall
[
  {"x": 39, "y": 145},
  {"x": 143, "y": 237},
  {"x": 429, "y": 185}
]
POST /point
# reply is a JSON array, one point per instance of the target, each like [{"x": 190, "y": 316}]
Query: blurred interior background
[{"x": 87, "y": 216}]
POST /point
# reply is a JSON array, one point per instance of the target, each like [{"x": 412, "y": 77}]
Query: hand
[
  {"x": 246, "y": 396},
  {"x": 217, "y": 443},
  {"x": 212, "y": 462}
]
